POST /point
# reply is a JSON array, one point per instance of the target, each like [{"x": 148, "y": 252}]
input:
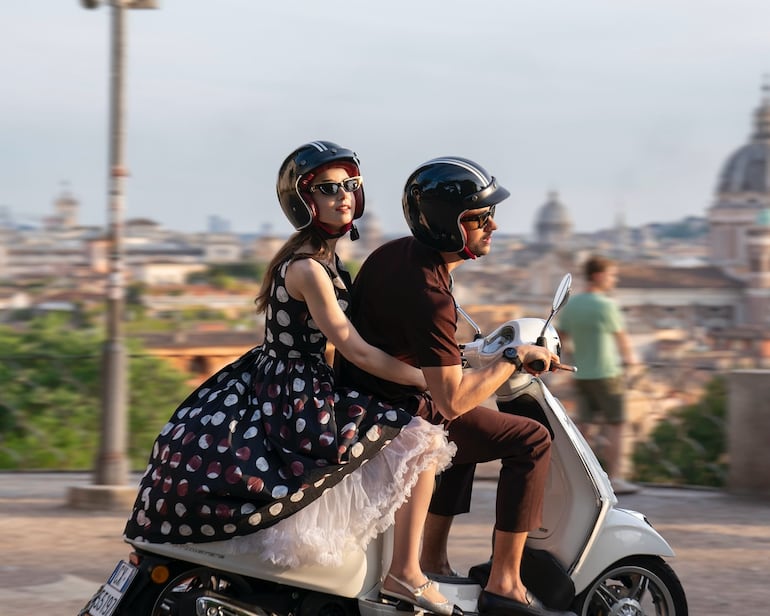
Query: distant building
[
  {"x": 265, "y": 245},
  {"x": 553, "y": 226},
  {"x": 220, "y": 247},
  {"x": 167, "y": 300},
  {"x": 65, "y": 211},
  {"x": 13, "y": 299},
  {"x": 656, "y": 297},
  {"x": 158, "y": 273},
  {"x": 743, "y": 191},
  {"x": 758, "y": 275},
  {"x": 200, "y": 353},
  {"x": 217, "y": 224},
  {"x": 740, "y": 219}
]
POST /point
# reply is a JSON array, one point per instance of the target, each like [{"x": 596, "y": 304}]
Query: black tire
[
  {"x": 634, "y": 586},
  {"x": 174, "y": 599}
]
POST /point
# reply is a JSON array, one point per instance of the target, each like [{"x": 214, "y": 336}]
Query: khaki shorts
[{"x": 601, "y": 400}]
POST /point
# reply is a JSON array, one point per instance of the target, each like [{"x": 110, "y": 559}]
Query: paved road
[{"x": 54, "y": 558}]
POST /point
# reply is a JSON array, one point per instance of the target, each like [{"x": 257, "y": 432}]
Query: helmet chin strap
[
  {"x": 329, "y": 233},
  {"x": 466, "y": 254}
]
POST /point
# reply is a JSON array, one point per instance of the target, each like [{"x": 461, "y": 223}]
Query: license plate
[{"x": 107, "y": 598}]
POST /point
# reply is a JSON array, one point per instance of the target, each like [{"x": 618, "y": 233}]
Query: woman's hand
[{"x": 419, "y": 378}]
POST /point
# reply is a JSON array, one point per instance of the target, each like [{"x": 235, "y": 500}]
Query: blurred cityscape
[{"x": 695, "y": 293}]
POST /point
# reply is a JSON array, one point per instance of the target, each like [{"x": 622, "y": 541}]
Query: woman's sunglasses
[
  {"x": 481, "y": 220},
  {"x": 332, "y": 188}
]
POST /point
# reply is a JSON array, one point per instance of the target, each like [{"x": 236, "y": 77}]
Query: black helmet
[
  {"x": 439, "y": 192},
  {"x": 298, "y": 170}
]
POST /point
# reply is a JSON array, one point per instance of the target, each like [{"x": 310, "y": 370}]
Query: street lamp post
[{"x": 112, "y": 465}]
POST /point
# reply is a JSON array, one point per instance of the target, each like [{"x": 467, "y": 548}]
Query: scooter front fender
[{"x": 624, "y": 533}]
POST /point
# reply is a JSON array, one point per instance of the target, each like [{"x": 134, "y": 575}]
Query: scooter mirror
[
  {"x": 562, "y": 292},
  {"x": 559, "y": 299}
]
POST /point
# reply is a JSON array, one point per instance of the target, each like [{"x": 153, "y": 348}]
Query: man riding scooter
[{"x": 402, "y": 302}]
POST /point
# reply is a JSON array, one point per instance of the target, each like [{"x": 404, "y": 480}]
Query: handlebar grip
[{"x": 537, "y": 365}]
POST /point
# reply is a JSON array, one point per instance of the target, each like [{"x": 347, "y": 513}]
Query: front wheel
[{"x": 634, "y": 586}]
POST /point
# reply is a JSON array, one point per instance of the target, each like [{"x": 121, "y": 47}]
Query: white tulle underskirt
[{"x": 361, "y": 506}]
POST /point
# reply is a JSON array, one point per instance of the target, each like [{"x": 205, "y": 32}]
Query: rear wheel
[
  {"x": 178, "y": 596},
  {"x": 634, "y": 586}
]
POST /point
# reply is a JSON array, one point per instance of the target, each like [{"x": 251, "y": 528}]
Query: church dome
[
  {"x": 553, "y": 222},
  {"x": 748, "y": 168}
]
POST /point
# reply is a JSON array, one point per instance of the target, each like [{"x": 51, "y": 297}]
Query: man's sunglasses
[
  {"x": 481, "y": 220},
  {"x": 332, "y": 188}
]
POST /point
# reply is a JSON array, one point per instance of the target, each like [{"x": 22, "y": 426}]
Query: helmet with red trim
[
  {"x": 439, "y": 192},
  {"x": 299, "y": 169}
]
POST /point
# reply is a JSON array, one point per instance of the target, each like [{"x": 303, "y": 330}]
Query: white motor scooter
[{"x": 589, "y": 556}]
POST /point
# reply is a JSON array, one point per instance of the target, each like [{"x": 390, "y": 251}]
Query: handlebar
[{"x": 539, "y": 365}]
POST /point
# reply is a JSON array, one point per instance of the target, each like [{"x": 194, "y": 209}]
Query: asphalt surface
[{"x": 54, "y": 557}]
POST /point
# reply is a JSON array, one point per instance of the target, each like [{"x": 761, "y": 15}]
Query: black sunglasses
[
  {"x": 332, "y": 188},
  {"x": 481, "y": 220}
]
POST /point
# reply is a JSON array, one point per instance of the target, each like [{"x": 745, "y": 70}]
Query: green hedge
[
  {"x": 50, "y": 401},
  {"x": 690, "y": 446}
]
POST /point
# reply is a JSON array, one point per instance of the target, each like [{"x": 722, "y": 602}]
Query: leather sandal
[{"x": 416, "y": 598}]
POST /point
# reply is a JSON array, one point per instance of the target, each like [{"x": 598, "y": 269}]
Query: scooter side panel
[
  {"x": 577, "y": 491},
  {"x": 358, "y": 574},
  {"x": 624, "y": 533}
]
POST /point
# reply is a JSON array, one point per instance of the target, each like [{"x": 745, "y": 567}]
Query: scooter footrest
[{"x": 402, "y": 606}]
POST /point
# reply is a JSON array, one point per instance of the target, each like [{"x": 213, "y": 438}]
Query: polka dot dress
[{"x": 261, "y": 438}]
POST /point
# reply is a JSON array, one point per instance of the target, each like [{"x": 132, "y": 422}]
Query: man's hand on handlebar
[{"x": 536, "y": 359}]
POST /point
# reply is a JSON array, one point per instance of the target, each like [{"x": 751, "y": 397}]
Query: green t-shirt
[{"x": 591, "y": 321}]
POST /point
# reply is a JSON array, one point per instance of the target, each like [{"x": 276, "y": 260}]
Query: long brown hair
[{"x": 309, "y": 235}]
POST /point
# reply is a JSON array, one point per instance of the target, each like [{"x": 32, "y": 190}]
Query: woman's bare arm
[{"x": 307, "y": 280}]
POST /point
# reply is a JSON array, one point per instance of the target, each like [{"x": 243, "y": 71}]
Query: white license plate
[{"x": 106, "y": 599}]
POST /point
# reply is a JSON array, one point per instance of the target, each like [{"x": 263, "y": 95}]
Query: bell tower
[
  {"x": 66, "y": 208},
  {"x": 758, "y": 279}
]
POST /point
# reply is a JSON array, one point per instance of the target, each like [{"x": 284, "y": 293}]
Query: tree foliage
[
  {"x": 690, "y": 446},
  {"x": 225, "y": 275},
  {"x": 50, "y": 397}
]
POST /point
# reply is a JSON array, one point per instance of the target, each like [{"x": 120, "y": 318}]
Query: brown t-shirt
[{"x": 402, "y": 303}]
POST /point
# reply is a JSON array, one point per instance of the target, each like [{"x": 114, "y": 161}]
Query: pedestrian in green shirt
[{"x": 601, "y": 348}]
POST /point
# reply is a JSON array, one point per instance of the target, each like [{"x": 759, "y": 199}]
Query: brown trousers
[{"x": 482, "y": 435}]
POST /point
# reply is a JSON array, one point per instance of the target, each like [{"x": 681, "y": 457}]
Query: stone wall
[{"x": 748, "y": 430}]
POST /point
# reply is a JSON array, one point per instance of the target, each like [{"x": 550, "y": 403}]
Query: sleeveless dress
[{"x": 250, "y": 456}]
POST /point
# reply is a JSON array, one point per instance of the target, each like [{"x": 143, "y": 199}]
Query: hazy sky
[{"x": 619, "y": 105}]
